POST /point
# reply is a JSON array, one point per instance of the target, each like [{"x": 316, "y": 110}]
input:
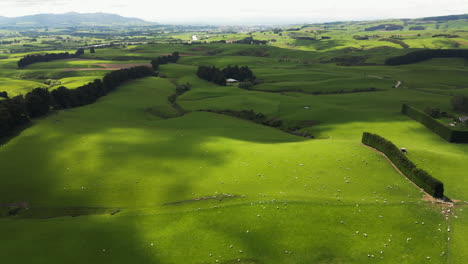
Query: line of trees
[
  {"x": 450, "y": 134},
  {"x": 33, "y": 58},
  {"x": 420, "y": 177},
  {"x": 165, "y": 60},
  {"x": 180, "y": 90},
  {"x": 18, "y": 111},
  {"x": 422, "y": 55},
  {"x": 219, "y": 76}
]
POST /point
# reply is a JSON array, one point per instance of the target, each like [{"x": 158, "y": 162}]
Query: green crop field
[{"x": 132, "y": 179}]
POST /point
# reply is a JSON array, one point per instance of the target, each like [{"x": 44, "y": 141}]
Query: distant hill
[
  {"x": 445, "y": 18},
  {"x": 452, "y": 22},
  {"x": 70, "y": 19}
]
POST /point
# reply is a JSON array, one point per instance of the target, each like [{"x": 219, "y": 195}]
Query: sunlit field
[{"x": 131, "y": 179}]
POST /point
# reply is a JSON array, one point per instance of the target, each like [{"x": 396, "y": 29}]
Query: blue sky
[{"x": 242, "y": 11}]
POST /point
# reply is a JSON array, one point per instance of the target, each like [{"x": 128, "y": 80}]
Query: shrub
[
  {"x": 182, "y": 88},
  {"x": 38, "y": 102},
  {"x": 420, "y": 177}
]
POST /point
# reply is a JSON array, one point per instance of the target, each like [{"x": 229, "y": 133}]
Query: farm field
[{"x": 132, "y": 179}]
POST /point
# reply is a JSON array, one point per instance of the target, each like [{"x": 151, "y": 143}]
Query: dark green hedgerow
[
  {"x": 420, "y": 177},
  {"x": 445, "y": 132}
]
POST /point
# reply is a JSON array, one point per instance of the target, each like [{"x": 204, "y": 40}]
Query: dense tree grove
[
  {"x": 12, "y": 115},
  {"x": 38, "y": 102},
  {"x": 211, "y": 74},
  {"x": 30, "y": 59},
  {"x": 426, "y": 54},
  {"x": 17, "y": 111},
  {"x": 250, "y": 40},
  {"x": 241, "y": 74},
  {"x": 165, "y": 60},
  {"x": 218, "y": 76}
]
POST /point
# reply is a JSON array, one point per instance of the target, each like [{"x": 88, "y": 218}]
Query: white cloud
[{"x": 241, "y": 11}]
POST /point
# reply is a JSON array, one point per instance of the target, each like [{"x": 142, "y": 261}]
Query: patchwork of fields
[{"x": 146, "y": 185}]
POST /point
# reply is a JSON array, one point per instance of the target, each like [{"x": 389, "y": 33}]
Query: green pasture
[
  {"x": 76, "y": 63},
  {"x": 75, "y": 82},
  {"x": 129, "y": 180},
  {"x": 17, "y": 86},
  {"x": 283, "y": 186}
]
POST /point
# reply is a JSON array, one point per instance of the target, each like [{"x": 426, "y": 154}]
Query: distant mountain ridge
[{"x": 70, "y": 19}]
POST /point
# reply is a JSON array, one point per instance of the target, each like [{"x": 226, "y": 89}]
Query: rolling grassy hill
[{"x": 129, "y": 179}]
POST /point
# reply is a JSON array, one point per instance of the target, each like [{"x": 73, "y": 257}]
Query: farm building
[{"x": 231, "y": 80}]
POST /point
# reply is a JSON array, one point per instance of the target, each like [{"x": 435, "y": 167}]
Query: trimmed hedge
[
  {"x": 420, "y": 177},
  {"x": 445, "y": 132}
]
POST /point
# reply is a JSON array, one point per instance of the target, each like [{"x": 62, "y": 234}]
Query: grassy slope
[
  {"x": 347, "y": 116},
  {"x": 292, "y": 193},
  {"x": 16, "y": 87},
  {"x": 226, "y": 156}
]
